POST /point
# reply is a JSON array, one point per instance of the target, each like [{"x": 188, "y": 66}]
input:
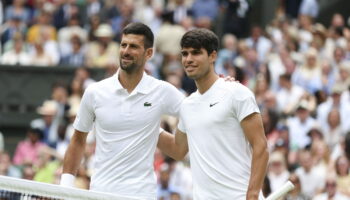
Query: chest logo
[
  {"x": 213, "y": 104},
  {"x": 147, "y": 104}
]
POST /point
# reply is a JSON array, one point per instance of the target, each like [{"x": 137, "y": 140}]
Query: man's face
[
  {"x": 132, "y": 53},
  {"x": 197, "y": 62}
]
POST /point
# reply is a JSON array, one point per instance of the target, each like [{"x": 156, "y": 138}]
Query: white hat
[
  {"x": 104, "y": 30},
  {"x": 49, "y": 107}
]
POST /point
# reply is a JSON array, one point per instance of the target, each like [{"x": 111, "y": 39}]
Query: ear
[
  {"x": 149, "y": 53},
  {"x": 213, "y": 56}
]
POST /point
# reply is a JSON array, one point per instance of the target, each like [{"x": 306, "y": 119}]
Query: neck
[
  {"x": 204, "y": 83},
  {"x": 129, "y": 81}
]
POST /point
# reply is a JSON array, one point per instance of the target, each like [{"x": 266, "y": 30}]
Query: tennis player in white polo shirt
[
  {"x": 126, "y": 110},
  {"x": 221, "y": 126}
]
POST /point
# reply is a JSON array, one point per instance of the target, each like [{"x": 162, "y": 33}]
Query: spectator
[
  {"x": 289, "y": 95},
  {"x": 66, "y": 34},
  {"x": 258, "y": 42},
  {"x": 208, "y": 9},
  {"x": 47, "y": 122},
  {"x": 309, "y": 8},
  {"x": 42, "y": 25},
  {"x": 309, "y": 75},
  {"x": 226, "y": 55},
  {"x": 103, "y": 52},
  {"x": 277, "y": 173},
  {"x": 18, "y": 55},
  {"x": 311, "y": 182},
  {"x": 27, "y": 151},
  {"x": 17, "y": 9},
  {"x": 331, "y": 191},
  {"x": 7, "y": 168},
  {"x": 10, "y": 29},
  {"x": 299, "y": 126},
  {"x": 41, "y": 57},
  {"x": 342, "y": 168},
  {"x": 76, "y": 57}
]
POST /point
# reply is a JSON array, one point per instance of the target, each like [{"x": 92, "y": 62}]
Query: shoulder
[
  {"x": 236, "y": 90},
  {"x": 107, "y": 82}
]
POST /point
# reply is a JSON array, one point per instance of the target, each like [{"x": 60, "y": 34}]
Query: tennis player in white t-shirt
[
  {"x": 221, "y": 126},
  {"x": 126, "y": 110}
]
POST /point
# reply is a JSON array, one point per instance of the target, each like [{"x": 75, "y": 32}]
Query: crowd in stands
[{"x": 298, "y": 69}]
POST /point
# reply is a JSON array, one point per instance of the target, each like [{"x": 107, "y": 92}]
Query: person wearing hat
[
  {"x": 103, "y": 52},
  {"x": 47, "y": 123},
  {"x": 334, "y": 102},
  {"x": 299, "y": 125},
  {"x": 277, "y": 173},
  {"x": 309, "y": 74}
]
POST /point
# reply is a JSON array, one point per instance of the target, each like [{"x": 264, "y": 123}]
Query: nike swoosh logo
[{"x": 213, "y": 104}]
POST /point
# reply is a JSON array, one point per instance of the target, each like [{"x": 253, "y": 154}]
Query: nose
[{"x": 188, "y": 59}]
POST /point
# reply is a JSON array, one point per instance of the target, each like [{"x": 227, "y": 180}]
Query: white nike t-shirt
[
  {"x": 220, "y": 154},
  {"x": 127, "y": 130}
]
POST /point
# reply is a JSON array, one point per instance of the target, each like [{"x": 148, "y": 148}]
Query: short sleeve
[
  {"x": 245, "y": 105},
  {"x": 172, "y": 100},
  {"x": 86, "y": 116},
  {"x": 181, "y": 125}
]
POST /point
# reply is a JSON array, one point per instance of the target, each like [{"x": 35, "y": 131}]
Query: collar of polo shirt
[{"x": 142, "y": 87}]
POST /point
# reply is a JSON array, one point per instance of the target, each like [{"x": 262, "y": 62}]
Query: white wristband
[
  {"x": 161, "y": 130},
  {"x": 67, "y": 180}
]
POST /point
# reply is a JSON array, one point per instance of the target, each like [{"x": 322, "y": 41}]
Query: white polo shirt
[
  {"x": 220, "y": 154},
  {"x": 127, "y": 130}
]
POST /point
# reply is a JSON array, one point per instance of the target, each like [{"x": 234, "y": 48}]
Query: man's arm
[
  {"x": 73, "y": 157},
  {"x": 253, "y": 129},
  {"x": 173, "y": 146}
]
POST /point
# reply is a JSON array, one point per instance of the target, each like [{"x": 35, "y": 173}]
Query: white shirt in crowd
[
  {"x": 310, "y": 181},
  {"x": 13, "y": 58},
  {"x": 127, "y": 130},
  {"x": 220, "y": 154}
]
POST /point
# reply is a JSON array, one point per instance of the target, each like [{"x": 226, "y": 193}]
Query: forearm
[
  {"x": 73, "y": 156},
  {"x": 168, "y": 145},
  {"x": 258, "y": 171}
]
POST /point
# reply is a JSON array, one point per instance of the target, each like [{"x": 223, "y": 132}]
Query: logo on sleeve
[
  {"x": 147, "y": 104},
  {"x": 213, "y": 104}
]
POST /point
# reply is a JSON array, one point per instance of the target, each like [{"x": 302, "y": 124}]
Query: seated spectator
[
  {"x": 42, "y": 22},
  {"x": 309, "y": 74},
  {"x": 27, "y": 150},
  {"x": 299, "y": 126},
  {"x": 331, "y": 190},
  {"x": 311, "y": 182},
  {"x": 16, "y": 56},
  {"x": 103, "y": 52},
  {"x": 17, "y": 9},
  {"x": 7, "y": 168},
  {"x": 66, "y": 34},
  {"x": 10, "y": 28},
  {"x": 277, "y": 173},
  {"x": 342, "y": 168},
  {"x": 40, "y": 57},
  {"x": 77, "y": 56},
  {"x": 47, "y": 122}
]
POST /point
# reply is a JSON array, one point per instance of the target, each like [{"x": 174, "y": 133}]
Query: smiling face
[
  {"x": 133, "y": 54},
  {"x": 197, "y": 63}
]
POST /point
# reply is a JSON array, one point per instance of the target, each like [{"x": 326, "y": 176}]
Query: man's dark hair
[
  {"x": 200, "y": 38},
  {"x": 140, "y": 29},
  {"x": 286, "y": 76}
]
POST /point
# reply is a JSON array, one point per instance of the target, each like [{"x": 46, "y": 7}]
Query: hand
[{"x": 228, "y": 78}]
